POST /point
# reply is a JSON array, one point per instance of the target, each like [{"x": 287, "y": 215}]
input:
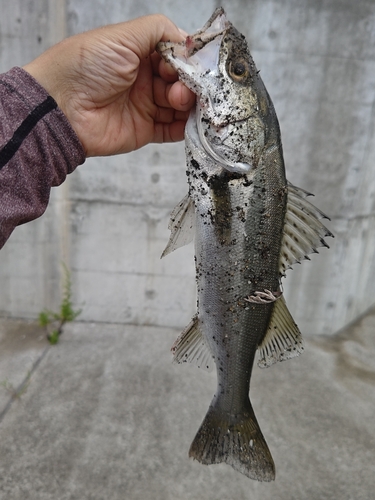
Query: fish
[{"x": 250, "y": 225}]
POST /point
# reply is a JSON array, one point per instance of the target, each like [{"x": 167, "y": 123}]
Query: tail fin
[{"x": 238, "y": 441}]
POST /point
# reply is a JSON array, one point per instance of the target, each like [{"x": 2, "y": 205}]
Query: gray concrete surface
[
  {"x": 106, "y": 416},
  {"x": 109, "y": 221}
]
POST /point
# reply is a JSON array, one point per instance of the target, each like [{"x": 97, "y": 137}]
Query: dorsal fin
[
  {"x": 303, "y": 231},
  {"x": 190, "y": 347},
  {"x": 283, "y": 339},
  {"x": 181, "y": 225}
]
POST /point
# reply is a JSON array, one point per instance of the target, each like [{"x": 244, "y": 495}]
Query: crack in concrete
[{"x": 23, "y": 384}]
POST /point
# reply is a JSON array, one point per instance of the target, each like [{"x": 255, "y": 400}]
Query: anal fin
[{"x": 283, "y": 340}]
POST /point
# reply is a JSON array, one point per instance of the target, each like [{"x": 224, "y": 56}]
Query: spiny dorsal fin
[
  {"x": 181, "y": 225},
  {"x": 283, "y": 339},
  {"x": 190, "y": 347},
  {"x": 303, "y": 231}
]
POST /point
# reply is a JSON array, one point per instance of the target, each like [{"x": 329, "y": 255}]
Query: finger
[
  {"x": 172, "y": 132},
  {"x": 155, "y": 61},
  {"x": 181, "y": 115},
  {"x": 176, "y": 95},
  {"x": 180, "y": 97},
  {"x": 166, "y": 71},
  {"x": 143, "y": 34},
  {"x": 164, "y": 115},
  {"x": 162, "y": 68},
  {"x": 161, "y": 92},
  {"x": 169, "y": 115}
]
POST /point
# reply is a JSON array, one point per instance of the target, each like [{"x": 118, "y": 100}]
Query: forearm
[{"x": 38, "y": 148}]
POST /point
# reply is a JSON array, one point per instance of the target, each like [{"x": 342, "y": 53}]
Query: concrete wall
[
  {"x": 108, "y": 222},
  {"x": 30, "y": 262}
]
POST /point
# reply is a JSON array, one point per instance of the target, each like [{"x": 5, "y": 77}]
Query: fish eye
[{"x": 238, "y": 70}]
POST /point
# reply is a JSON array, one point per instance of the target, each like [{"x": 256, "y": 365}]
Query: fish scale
[
  {"x": 223, "y": 310},
  {"x": 249, "y": 224},
  {"x": 230, "y": 266}
]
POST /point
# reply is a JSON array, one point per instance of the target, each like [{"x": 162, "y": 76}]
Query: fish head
[{"x": 232, "y": 116}]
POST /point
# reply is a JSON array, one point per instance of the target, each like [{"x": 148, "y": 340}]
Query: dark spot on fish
[{"x": 265, "y": 252}]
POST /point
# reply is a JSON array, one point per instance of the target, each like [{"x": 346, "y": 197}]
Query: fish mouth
[
  {"x": 215, "y": 27},
  {"x": 197, "y": 57}
]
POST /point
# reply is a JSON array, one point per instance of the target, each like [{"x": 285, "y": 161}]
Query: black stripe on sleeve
[{"x": 12, "y": 146}]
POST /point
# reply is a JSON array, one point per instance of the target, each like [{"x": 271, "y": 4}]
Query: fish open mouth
[
  {"x": 216, "y": 26},
  {"x": 198, "y": 55}
]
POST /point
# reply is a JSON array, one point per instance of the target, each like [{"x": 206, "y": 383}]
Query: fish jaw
[{"x": 196, "y": 60}]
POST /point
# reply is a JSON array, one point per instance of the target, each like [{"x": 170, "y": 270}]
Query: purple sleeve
[{"x": 38, "y": 148}]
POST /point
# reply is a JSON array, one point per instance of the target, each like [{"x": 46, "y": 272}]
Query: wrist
[
  {"x": 45, "y": 79},
  {"x": 48, "y": 70}
]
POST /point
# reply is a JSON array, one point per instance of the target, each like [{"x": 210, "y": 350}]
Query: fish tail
[{"x": 236, "y": 440}]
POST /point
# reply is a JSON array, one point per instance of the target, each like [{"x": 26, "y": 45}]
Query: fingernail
[{"x": 183, "y": 32}]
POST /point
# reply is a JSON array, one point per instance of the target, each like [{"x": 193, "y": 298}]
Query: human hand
[{"x": 114, "y": 88}]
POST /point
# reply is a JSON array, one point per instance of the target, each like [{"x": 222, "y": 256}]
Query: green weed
[{"x": 54, "y": 321}]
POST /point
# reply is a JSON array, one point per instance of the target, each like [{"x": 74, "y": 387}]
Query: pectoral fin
[
  {"x": 181, "y": 225},
  {"x": 190, "y": 347},
  {"x": 303, "y": 231},
  {"x": 283, "y": 339}
]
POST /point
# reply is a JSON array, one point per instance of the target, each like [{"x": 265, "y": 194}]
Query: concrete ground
[{"x": 105, "y": 415}]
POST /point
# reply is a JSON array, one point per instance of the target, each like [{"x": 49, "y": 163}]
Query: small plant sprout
[
  {"x": 54, "y": 322},
  {"x": 16, "y": 393}
]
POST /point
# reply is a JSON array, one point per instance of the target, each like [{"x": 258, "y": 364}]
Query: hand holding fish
[{"x": 114, "y": 88}]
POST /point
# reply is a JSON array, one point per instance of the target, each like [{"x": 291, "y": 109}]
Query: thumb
[{"x": 143, "y": 34}]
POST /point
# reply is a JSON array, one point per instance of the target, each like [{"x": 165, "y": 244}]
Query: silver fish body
[{"x": 249, "y": 227}]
